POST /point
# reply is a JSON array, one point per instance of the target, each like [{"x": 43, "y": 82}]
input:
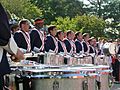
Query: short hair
[
  {"x": 90, "y": 39},
  {"x": 14, "y": 26},
  {"x": 69, "y": 32},
  {"x": 85, "y": 34},
  {"x": 77, "y": 33},
  {"x": 23, "y": 21},
  {"x": 51, "y": 27},
  {"x": 58, "y": 32}
]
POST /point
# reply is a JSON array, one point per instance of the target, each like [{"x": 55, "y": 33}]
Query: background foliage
[{"x": 100, "y": 18}]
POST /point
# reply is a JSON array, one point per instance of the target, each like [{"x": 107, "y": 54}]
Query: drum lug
[{"x": 55, "y": 85}]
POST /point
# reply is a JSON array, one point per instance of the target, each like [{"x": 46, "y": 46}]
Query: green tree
[
  {"x": 22, "y": 8},
  {"x": 90, "y": 24},
  {"x": 59, "y": 8}
]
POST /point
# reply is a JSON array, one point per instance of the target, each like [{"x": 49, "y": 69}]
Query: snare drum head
[{"x": 113, "y": 49}]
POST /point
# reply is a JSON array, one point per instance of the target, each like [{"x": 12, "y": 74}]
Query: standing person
[
  {"x": 22, "y": 36},
  {"x": 85, "y": 43},
  {"x": 7, "y": 44},
  {"x": 69, "y": 42},
  {"x": 116, "y": 63},
  {"x": 61, "y": 44},
  {"x": 51, "y": 42},
  {"x": 78, "y": 42},
  {"x": 92, "y": 45},
  {"x": 37, "y": 36}
]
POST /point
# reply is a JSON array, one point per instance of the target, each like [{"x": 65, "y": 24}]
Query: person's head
[
  {"x": 14, "y": 28},
  {"x": 70, "y": 34},
  {"x": 52, "y": 30},
  {"x": 86, "y": 36},
  {"x": 39, "y": 23},
  {"x": 24, "y": 25},
  {"x": 60, "y": 35},
  {"x": 92, "y": 41},
  {"x": 78, "y": 35}
]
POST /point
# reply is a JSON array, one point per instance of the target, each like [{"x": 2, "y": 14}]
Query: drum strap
[
  {"x": 73, "y": 47},
  {"x": 41, "y": 34},
  {"x": 87, "y": 46},
  {"x": 81, "y": 42},
  {"x": 27, "y": 39},
  {"x": 63, "y": 46},
  {"x": 56, "y": 43}
]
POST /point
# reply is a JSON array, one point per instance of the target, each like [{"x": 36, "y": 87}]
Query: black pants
[
  {"x": 116, "y": 70},
  {"x": 1, "y": 82}
]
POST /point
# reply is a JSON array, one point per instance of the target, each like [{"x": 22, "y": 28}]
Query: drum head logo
[{"x": 55, "y": 85}]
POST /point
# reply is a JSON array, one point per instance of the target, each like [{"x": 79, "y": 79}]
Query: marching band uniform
[
  {"x": 5, "y": 45},
  {"x": 51, "y": 43},
  {"x": 70, "y": 46},
  {"x": 79, "y": 46},
  {"x": 37, "y": 40},
  {"x": 23, "y": 41},
  {"x": 85, "y": 46},
  {"x": 91, "y": 49},
  {"x": 61, "y": 47}
]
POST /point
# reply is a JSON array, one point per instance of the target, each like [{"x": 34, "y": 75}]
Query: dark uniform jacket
[
  {"x": 68, "y": 45},
  {"x": 85, "y": 46},
  {"x": 35, "y": 39},
  {"x": 20, "y": 40},
  {"x": 50, "y": 44},
  {"x": 4, "y": 39},
  {"x": 78, "y": 45},
  {"x": 60, "y": 48}
]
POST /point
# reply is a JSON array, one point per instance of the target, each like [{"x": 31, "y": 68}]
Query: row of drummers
[
  {"x": 75, "y": 77},
  {"x": 56, "y": 41}
]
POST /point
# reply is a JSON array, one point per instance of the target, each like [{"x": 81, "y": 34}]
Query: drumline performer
[
  {"x": 61, "y": 44},
  {"x": 79, "y": 42},
  {"x": 22, "y": 37},
  {"x": 51, "y": 42},
  {"x": 37, "y": 36},
  {"x": 69, "y": 42},
  {"x": 116, "y": 64},
  {"x": 7, "y": 44},
  {"x": 92, "y": 46},
  {"x": 85, "y": 43}
]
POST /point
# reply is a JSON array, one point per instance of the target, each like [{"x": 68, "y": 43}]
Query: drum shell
[
  {"x": 57, "y": 84},
  {"x": 102, "y": 60},
  {"x": 88, "y": 60},
  {"x": 104, "y": 82},
  {"x": 50, "y": 59}
]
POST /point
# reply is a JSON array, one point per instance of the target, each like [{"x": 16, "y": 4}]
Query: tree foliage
[
  {"x": 90, "y": 24},
  {"x": 59, "y": 8},
  {"x": 22, "y": 8}
]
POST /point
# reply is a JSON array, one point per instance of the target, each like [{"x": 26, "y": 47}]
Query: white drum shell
[{"x": 64, "y": 84}]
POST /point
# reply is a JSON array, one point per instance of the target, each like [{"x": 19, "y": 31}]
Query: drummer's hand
[{"x": 19, "y": 56}]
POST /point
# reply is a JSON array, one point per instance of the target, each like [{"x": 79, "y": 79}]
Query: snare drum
[
  {"x": 50, "y": 59},
  {"x": 60, "y": 82},
  {"x": 90, "y": 76},
  {"x": 101, "y": 60},
  {"x": 104, "y": 72},
  {"x": 88, "y": 60}
]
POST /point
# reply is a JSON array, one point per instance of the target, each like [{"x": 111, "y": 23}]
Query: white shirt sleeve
[{"x": 11, "y": 47}]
